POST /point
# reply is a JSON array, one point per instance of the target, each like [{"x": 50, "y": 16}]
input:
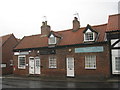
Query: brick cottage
[
  {"x": 8, "y": 42},
  {"x": 76, "y": 52}
]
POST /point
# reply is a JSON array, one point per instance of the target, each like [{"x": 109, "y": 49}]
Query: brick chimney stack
[
  {"x": 45, "y": 29},
  {"x": 76, "y": 24}
]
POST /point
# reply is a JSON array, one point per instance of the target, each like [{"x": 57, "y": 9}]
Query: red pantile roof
[
  {"x": 5, "y": 38},
  {"x": 68, "y": 38},
  {"x": 18, "y": 39},
  {"x": 33, "y": 41},
  {"x": 113, "y": 22}
]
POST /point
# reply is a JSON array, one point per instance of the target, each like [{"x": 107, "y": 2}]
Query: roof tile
[
  {"x": 113, "y": 22},
  {"x": 5, "y": 38},
  {"x": 68, "y": 38}
]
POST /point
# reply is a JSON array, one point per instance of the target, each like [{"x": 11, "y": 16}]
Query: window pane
[
  {"x": 52, "y": 62},
  {"x": 52, "y": 40},
  {"x": 88, "y": 36},
  {"x": 117, "y": 63},
  {"x": 70, "y": 63},
  {"x": 37, "y": 63},
  {"x": 21, "y": 61},
  {"x": 90, "y": 62}
]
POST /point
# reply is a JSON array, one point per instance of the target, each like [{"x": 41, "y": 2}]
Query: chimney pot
[
  {"x": 46, "y": 23},
  {"x": 45, "y": 29},
  {"x": 43, "y": 23},
  {"x": 76, "y": 24}
]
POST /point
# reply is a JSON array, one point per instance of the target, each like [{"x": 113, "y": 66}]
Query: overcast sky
[{"x": 24, "y": 17}]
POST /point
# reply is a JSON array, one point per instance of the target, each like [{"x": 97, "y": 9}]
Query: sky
[{"x": 24, "y": 17}]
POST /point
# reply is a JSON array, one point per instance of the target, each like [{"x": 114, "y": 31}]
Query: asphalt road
[{"x": 12, "y": 83}]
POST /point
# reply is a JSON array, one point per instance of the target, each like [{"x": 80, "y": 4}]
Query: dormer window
[
  {"x": 52, "y": 39},
  {"x": 89, "y": 36}
]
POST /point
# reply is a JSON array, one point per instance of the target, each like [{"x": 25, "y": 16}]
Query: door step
[{"x": 33, "y": 75}]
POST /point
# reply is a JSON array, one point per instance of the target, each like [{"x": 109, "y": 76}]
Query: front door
[
  {"x": 31, "y": 65},
  {"x": 37, "y": 65},
  {"x": 70, "y": 67}
]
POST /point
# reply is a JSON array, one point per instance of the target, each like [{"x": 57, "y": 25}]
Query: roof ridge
[
  {"x": 66, "y": 30},
  {"x": 114, "y": 15},
  {"x": 81, "y": 28},
  {"x": 6, "y": 35},
  {"x": 62, "y": 30},
  {"x": 33, "y": 35},
  {"x": 99, "y": 25}
]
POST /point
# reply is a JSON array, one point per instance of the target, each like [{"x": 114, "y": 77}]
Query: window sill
[
  {"x": 52, "y": 68},
  {"x": 116, "y": 72},
  {"x": 90, "y": 68},
  {"x": 89, "y": 40},
  {"x": 21, "y": 68},
  {"x": 52, "y": 43}
]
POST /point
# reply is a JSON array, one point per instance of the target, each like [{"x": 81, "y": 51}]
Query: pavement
[{"x": 114, "y": 79}]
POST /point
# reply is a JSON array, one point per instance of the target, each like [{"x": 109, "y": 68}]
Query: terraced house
[
  {"x": 7, "y": 42},
  {"x": 76, "y": 52}
]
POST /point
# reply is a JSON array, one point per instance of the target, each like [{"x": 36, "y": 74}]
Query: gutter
[{"x": 62, "y": 46}]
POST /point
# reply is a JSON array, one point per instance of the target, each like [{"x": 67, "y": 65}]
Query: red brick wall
[
  {"x": 7, "y": 54},
  {"x": 20, "y": 71},
  {"x": 103, "y": 69}
]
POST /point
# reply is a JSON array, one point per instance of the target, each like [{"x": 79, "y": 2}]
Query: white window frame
[
  {"x": 52, "y": 62},
  {"x": 115, "y": 53},
  {"x": 85, "y": 39},
  {"x": 90, "y": 62},
  {"x": 51, "y": 37},
  {"x": 24, "y": 66},
  {"x": 3, "y": 65}
]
